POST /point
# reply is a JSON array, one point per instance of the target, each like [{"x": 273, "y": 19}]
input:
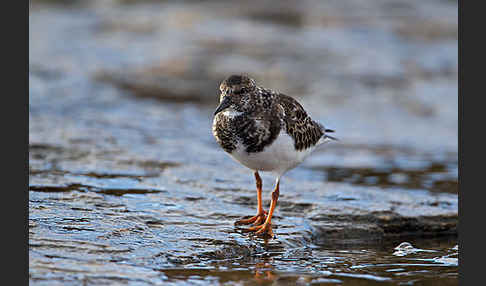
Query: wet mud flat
[
  {"x": 118, "y": 223},
  {"x": 101, "y": 219},
  {"x": 128, "y": 187}
]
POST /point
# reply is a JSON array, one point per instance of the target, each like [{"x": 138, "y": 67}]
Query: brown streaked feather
[
  {"x": 257, "y": 131},
  {"x": 223, "y": 131},
  {"x": 263, "y": 113},
  {"x": 305, "y": 131}
]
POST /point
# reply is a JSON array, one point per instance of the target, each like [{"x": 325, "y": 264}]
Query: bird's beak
[{"x": 225, "y": 103}]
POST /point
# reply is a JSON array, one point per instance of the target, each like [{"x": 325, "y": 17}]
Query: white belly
[{"x": 278, "y": 157}]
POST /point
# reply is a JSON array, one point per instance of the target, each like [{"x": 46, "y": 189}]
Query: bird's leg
[
  {"x": 260, "y": 217},
  {"x": 266, "y": 227}
]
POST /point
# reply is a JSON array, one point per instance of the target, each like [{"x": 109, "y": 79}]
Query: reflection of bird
[
  {"x": 265, "y": 131},
  {"x": 267, "y": 270}
]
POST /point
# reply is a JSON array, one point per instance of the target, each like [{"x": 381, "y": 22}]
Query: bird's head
[{"x": 233, "y": 89}]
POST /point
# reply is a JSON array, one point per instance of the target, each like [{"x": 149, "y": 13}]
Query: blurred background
[{"x": 121, "y": 97}]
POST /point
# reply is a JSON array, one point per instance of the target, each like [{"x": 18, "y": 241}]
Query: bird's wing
[{"x": 298, "y": 124}]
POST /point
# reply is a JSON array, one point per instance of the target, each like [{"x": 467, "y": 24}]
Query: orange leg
[
  {"x": 266, "y": 228},
  {"x": 260, "y": 217}
]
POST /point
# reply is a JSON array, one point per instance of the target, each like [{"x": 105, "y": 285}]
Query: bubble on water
[
  {"x": 404, "y": 245},
  {"x": 405, "y": 248}
]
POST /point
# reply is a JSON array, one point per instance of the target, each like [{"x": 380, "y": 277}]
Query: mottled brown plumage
[
  {"x": 263, "y": 113},
  {"x": 265, "y": 131},
  {"x": 305, "y": 131}
]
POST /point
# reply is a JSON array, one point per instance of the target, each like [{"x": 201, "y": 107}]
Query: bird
[{"x": 266, "y": 131}]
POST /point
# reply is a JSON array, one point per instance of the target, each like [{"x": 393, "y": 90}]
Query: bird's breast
[
  {"x": 280, "y": 156},
  {"x": 224, "y": 131}
]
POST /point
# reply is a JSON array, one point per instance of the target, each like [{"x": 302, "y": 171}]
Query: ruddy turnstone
[{"x": 265, "y": 131}]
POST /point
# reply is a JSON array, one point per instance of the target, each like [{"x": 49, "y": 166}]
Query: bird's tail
[{"x": 328, "y": 136}]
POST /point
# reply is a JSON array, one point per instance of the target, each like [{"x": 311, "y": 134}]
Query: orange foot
[
  {"x": 256, "y": 220},
  {"x": 262, "y": 230}
]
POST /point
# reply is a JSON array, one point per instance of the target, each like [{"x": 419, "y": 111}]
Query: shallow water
[{"x": 128, "y": 186}]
